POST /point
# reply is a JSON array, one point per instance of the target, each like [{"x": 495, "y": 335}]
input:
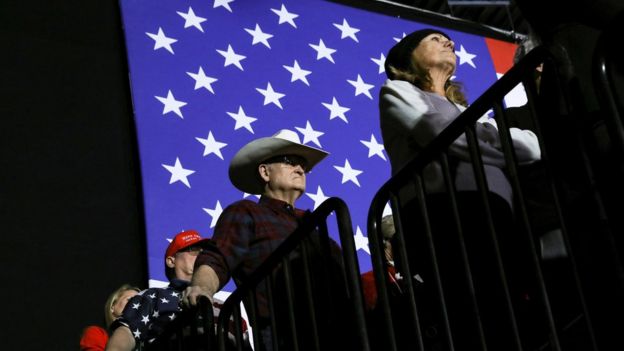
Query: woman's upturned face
[{"x": 436, "y": 52}]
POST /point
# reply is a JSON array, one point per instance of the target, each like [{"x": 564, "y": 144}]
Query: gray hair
[{"x": 387, "y": 227}]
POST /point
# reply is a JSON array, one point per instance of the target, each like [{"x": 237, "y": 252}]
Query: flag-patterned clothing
[{"x": 148, "y": 313}]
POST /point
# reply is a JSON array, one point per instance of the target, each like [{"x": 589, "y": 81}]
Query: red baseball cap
[{"x": 185, "y": 239}]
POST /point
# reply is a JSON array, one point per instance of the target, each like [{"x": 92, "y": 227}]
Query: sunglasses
[{"x": 291, "y": 160}]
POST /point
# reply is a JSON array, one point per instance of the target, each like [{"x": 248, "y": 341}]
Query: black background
[{"x": 71, "y": 216}]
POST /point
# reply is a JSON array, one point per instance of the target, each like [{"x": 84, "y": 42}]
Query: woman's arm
[
  {"x": 524, "y": 141},
  {"x": 407, "y": 110},
  {"x": 121, "y": 340}
]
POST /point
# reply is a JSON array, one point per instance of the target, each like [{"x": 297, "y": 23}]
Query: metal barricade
[
  {"x": 310, "y": 291},
  {"x": 483, "y": 284}
]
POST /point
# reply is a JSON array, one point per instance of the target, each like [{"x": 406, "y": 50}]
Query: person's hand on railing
[
  {"x": 525, "y": 142},
  {"x": 488, "y": 132},
  {"x": 205, "y": 282}
]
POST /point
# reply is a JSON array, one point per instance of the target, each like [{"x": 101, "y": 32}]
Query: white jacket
[{"x": 411, "y": 118}]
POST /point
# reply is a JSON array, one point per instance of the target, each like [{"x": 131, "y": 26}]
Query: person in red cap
[
  {"x": 181, "y": 255},
  {"x": 147, "y": 314}
]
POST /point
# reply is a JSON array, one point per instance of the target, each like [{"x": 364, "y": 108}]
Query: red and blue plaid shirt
[{"x": 246, "y": 234}]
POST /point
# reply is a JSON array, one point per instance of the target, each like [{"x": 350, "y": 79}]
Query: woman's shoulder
[
  {"x": 401, "y": 88},
  {"x": 400, "y": 84}
]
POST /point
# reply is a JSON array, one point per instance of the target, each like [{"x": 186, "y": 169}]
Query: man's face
[
  {"x": 183, "y": 261},
  {"x": 286, "y": 174}
]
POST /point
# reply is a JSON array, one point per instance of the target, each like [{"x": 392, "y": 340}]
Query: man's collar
[
  {"x": 280, "y": 205},
  {"x": 178, "y": 284},
  {"x": 269, "y": 201}
]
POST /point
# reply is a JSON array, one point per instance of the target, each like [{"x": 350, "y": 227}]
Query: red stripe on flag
[{"x": 502, "y": 53}]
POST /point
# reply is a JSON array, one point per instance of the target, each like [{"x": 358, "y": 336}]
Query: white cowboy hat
[{"x": 244, "y": 166}]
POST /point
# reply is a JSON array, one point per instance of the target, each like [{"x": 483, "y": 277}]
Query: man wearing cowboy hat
[{"x": 248, "y": 232}]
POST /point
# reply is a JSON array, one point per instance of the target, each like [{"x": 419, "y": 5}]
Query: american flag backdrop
[{"x": 208, "y": 76}]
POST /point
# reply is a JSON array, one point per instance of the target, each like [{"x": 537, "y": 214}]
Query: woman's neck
[{"x": 438, "y": 82}]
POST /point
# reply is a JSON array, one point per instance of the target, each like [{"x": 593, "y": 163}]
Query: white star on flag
[
  {"x": 318, "y": 198},
  {"x": 137, "y": 333},
  {"x": 297, "y": 73},
  {"x": 214, "y": 213},
  {"x": 336, "y": 110},
  {"x": 171, "y": 104},
  {"x": 232, "y": 58},
  {"x": 211, "y": 146},
  {"x": 155, "y": 314},
  {"x": 380, "y": 62},
  {"x": 271, "y": 96},
  {"x": 310, "y": 134},
  {"x": 361, "y": 242},
  {"x": 374, "y": 148},
  {"x": 346, "y": 30},
  {"x": 399, "y": 39},
  {"x": 232, "y": 72},
  {"x": 172, "y": 316},
  {"x": 361, "y": 87},
  {"x": 161, "y": 40},
  {"x": 145, "y": 319},
  {"x": 191, "y": 20},
  {"x": 202, "y": 80},
  {"x": 465, "y": 57},
  {"x": 259, "y": 36},
  {"x": 136, "y": 306},
  {"x": 178, "y": 173},
  {"x": 223, "y": 3},
  {"x": 322, "y": 51},
  {"x": 348, "y": 173},
  {"x": 242, "y": 120},
  {"x": 164, "y": 300},
  {"x": 285, "y": 16}
]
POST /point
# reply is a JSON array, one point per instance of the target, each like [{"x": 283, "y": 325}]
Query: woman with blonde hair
[
  {"x": 94, "y": 338},
  {"x": 417, "y": 102}
]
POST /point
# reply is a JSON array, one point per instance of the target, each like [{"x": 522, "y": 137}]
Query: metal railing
[
  {"x": 194, "y": 331},
  {"x": 314, "y": 300},
  {"x": 519, "y": 267},
  {"x": 573, "y": 302},
  {"x": 310, "y": 297}
]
